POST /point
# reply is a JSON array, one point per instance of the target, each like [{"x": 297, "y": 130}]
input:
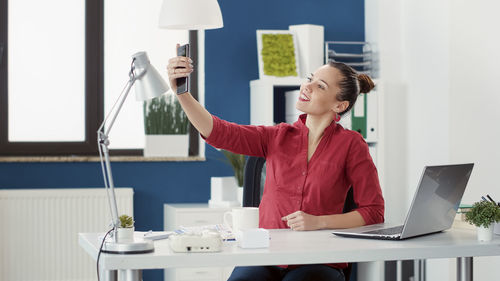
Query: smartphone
[{"x": 183, "y": 83}]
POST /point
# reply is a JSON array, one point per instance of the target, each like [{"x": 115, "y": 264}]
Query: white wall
[
  {"x": 426, "y": 74},
  {"x": 475, "y": 103},
  {"x": 439, "y": 63},
  {"x": 475, "y": 93},
  {"x": 383, "y": 29}
]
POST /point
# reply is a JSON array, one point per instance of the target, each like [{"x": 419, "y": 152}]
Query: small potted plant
[
  {"x": 228, "y": 191},
  {"x": 166, "y": 128},
  {"x": 125, "y": 232},
  {"x": 483, "y": 215}
]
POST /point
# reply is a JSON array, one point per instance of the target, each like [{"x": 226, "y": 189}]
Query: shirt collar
[{"x": 301, "y": 123}]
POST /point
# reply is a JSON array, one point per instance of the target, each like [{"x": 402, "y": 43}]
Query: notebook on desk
[{"x": 433, "y": 208}]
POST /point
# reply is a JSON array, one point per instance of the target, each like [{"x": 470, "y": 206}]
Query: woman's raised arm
[{"x": 201, "y": 119}]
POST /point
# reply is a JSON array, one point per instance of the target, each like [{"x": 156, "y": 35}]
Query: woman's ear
[{"x": 341, "y": 106}]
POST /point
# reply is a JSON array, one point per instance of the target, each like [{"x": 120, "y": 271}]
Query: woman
[{"x": 310, "y": 165}]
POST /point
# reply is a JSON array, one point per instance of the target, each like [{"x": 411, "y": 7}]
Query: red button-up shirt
[{"x": 317, "y": 187}]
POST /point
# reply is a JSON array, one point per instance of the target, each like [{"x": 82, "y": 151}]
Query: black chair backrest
[
  {"x": 349, "y": 204},
  {"x": 253, "y": 181}
]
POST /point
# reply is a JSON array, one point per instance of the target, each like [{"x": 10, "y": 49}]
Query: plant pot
[
  {"x": 125, "y": 234},
  {"x": 485, "y": 233},
  {"x": 166, "y": 146},
  {"x": 223, "y": 192}
]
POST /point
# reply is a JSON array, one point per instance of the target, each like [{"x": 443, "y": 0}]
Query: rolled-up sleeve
[
  {"x": 363, "y": 176},
  {"x": 242, "y": 139}
]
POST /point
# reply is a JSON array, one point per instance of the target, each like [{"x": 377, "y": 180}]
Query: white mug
[{"x": 242, "y": 218}]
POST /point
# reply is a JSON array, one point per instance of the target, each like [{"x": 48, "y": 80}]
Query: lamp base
[{"x": 140, "y": 247}]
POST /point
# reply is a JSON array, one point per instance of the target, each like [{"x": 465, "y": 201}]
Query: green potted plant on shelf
[
  {"x": 166, "y": 128},
  {"x": 228, "y": 191},
  {"x": 125, "y": 232},
  {"x": 483, "y": 215}
]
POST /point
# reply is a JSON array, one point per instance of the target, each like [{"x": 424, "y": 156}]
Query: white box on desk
[{"x": 253, "y": 238}]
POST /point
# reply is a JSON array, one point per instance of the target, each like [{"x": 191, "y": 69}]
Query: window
[{"x": 57, "y": 81}]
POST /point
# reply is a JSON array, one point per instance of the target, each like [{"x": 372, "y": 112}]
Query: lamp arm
[
  {"x": 113, "y": 113},
  {"x": 109, "y": 185},
  {"x": 103, "y": 145},
  {"x": 134, "y": 75}
]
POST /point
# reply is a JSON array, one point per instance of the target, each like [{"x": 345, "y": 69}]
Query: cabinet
[
  {"x": 267, "y": 99},
  {"x": 176, "y": 215}
]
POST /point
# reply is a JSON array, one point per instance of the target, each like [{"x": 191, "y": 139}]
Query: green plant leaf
[
  {"x": 237, "y": 162},
  {"x": 483, "y": 213},
  {"x": 164, "y": 116},
  {"x": 126, "y": 221}
]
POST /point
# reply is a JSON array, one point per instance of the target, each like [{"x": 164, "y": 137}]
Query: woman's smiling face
[{"x": 318, "y": 94}]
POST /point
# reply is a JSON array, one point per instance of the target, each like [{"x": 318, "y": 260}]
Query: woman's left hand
[{"x": 302, "y": 221}]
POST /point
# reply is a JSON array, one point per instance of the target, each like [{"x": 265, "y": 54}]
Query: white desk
[{"x": 307, "y": 247}]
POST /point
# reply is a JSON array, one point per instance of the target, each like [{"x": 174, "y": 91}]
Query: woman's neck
[{"x": 317, "y": 125}]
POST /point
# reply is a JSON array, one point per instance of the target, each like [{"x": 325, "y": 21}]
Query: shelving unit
[
  {"x": 358, "y": 55},
  {"x": 267, "y": 99}
]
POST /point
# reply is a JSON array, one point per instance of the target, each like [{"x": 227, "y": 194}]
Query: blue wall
[{"x": 231, "y": 62}]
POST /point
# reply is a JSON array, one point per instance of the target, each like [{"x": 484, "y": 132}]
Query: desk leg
[
  {"x": 419, "y": 269},
  {"x": 464, "y": 269},
  {"x": 109, "y": 275},
  {"x": 131, "y": 275}
]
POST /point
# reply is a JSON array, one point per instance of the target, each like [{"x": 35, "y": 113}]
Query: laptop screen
[{"x": 436, "y": 201}]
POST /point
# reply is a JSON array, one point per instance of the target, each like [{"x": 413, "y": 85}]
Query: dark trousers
[{"x": 313, "y": 272}]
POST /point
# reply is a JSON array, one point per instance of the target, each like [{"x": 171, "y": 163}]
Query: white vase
[
  {"x": 166, "y": 146},
  {"x": 485, "y": 233},
  {"x": 223, "y": 192},
  {"x": 125, "y": 234}
]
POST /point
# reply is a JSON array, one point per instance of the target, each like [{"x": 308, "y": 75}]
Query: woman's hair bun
[{"x": 365, "y": 83}]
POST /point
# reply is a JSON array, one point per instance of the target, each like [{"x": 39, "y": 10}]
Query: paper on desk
[
  {"x": 138, "y": 235},
  {"x": 156, "y": 235},
  {"x": 224, "y": 231}
]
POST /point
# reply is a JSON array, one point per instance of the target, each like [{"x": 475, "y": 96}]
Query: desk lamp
[
  {"x": 148, "y": 84},
  {"x": 174, "y": 14}
]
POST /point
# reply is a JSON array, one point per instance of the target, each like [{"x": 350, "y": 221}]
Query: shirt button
[{"x": 304, "y": 173}]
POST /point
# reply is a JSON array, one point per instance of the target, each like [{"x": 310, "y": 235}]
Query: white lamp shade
[
  {"x": 190, "y": 14},
  {"x": 149, "y": 83}
]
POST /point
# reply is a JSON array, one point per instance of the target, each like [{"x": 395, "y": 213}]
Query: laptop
[{"x": 433, "y": 208}]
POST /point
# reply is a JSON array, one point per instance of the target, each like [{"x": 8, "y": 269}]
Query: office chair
[{"x": 253, "y": 188}]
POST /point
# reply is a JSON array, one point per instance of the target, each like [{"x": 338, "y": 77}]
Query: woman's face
[{"x": 318, "y": 93}]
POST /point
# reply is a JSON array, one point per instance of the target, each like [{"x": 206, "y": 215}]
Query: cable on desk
[{"x": 100, "y": 250}]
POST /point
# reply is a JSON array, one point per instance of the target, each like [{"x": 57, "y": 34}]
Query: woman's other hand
[
  {"x": 178, "y": 67},
  {"x": 303, "y": 221}
]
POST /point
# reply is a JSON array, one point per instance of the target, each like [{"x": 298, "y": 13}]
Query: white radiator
[{"x": 39, "y": 231}]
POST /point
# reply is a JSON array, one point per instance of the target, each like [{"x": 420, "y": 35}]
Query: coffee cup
[{"x": 242, "y": 218}]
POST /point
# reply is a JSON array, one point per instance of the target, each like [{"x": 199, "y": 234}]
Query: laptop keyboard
[{"x": 387, "y": 231}]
